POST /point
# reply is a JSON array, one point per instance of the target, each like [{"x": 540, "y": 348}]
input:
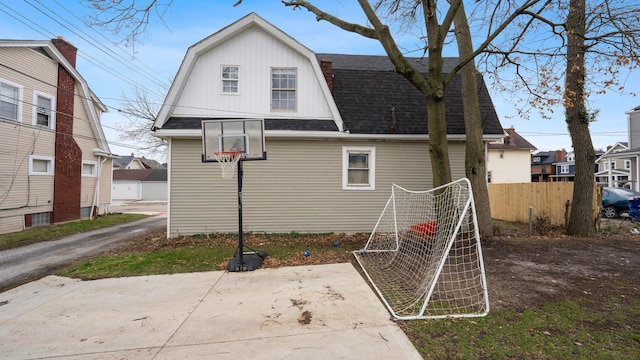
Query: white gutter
[{"x": 289, "y": 134}]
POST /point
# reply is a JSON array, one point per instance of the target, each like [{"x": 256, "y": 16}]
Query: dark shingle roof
[
  {"x": 140, "y": 174},
  {"x": 366, "y": 88},
  {"x": 512, "y": 142}
]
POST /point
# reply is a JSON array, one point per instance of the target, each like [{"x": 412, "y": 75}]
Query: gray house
[{"x": 335, "y": 105}]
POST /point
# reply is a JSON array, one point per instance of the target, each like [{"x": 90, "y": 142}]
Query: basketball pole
[
  {"x": 253, "y": 258},
  {"x": 240, "y": 240}
]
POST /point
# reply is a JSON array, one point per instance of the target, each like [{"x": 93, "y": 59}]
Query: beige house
[
  {"x": 335, "y": 108},
  {"x": 509, "y": 159},
  {"x": 56, "y": 163}
]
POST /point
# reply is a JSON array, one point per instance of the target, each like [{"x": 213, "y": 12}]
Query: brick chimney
[
  {"x": 68, "y": 51},
  {"x": 511, "y": 139},
  {"x": 67, "y": 179},
  {"x": 327, "y": 70}
]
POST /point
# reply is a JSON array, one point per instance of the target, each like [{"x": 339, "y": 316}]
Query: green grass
[
  {"x": 580, "y": 327},
  {"x": 52, "y": 232},
  {"x": 163, "y": 261}
]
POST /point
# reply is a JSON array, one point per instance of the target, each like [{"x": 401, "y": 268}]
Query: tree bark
[
  {"x": 475, "y": 163},
  {"x": 580, "y": 219}
]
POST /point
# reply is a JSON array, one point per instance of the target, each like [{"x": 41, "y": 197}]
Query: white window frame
[
  {"x": 94, "y": 171},
  {"x": 627, "y": 164},
  {"x": 564, "y": 169},
  {"x": 52, "y": 110},
  {"x": 49, "y": 171},
  {"x": 371, "y": 151},
  {"x": 224, "y": 79},
  {"x": 19, "y": 99},
  {"x": 285, "y": 89}
]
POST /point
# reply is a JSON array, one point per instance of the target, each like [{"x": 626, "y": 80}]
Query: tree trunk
[
  {"x": 475, "y": 164},
  {"x": 580, "y": 219}
]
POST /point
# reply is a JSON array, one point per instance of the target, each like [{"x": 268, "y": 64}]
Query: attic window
[
  {"x": 283, "y": 89},
  {"x": 536, "y": 159},
  {"x": 230, "y": 79}
]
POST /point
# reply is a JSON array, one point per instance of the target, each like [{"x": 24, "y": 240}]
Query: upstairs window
[
  {"x": 283, "y": 89},
  {"x": 230, "y": 79},
  {"x": 627, "y": 164},
  {"x": 564, "y": 169},
  {"x": 43, "y": 112},
  {"x": 10, "y": 101}
]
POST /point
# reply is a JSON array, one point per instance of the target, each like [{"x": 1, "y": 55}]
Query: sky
[{"x": 112, "y": 69}]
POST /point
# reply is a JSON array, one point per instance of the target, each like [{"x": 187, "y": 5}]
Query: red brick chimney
[
  {"x": 327, "y": 70},
  {"x": 511, "y": 139},
  {"x": 67, "y": 179},
  {"x": 68, "y": 51}
]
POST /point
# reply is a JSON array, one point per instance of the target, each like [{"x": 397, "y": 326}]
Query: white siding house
[{"x": 335, "y": 105}]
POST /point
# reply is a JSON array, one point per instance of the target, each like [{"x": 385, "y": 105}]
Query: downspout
[{"x": 96, "y": 191}]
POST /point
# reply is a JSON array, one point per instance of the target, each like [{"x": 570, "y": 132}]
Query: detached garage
[{"x": 139, "y": 184}]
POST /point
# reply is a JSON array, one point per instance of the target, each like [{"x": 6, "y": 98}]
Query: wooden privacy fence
[{"x": 511, "y": 202}]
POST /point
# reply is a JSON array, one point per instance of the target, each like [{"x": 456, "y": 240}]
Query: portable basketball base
[{"x": 231, "y": 142}]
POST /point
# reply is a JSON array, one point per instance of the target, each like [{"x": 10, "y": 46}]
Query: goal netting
[{"x": 424, "y": 257}]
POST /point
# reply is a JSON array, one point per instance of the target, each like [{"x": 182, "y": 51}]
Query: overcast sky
[{"x": 111, "y": 70}]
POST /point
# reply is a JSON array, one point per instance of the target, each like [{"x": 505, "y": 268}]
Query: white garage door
[{"x": 126, "y": 190}]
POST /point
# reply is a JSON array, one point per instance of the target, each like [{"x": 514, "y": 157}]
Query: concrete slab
[{"x": 311, "y": 312}]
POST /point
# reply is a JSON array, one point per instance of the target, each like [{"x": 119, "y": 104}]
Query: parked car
[{"x": 616, "y": 201}]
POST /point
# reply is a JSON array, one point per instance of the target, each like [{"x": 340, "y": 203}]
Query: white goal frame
[{"x": 424, "y": 258}]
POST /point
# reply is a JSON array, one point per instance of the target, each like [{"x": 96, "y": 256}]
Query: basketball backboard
[{"x": 244, "y": 135}]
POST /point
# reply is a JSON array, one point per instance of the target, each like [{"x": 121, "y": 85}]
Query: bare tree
[
  {"x": 140, "y": 111},
  {"x": 593, "y": 41}
]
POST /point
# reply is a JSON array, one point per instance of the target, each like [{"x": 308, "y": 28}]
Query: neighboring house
[
  {"x": 565, "y": 170},
  {"x": 508, "y": 159},
  {"x": 334, "y": 108},
  {"x": 140, "y": 184},
  {"x": 56, "y": 163},
  {"x": 543, "y": 168},
  {"x": 614, "y": 167},
  {"x": 129, "y": 162}
]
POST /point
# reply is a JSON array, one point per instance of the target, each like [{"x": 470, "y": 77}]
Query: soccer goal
[{"x": 424, "y": 257}]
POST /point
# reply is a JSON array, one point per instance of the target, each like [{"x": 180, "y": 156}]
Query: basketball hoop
[{"x": 228, "y": 161}]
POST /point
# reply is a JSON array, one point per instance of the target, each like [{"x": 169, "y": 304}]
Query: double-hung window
[
  {"x": 10, "y": 101},
  {"x": 44, "y": 110},
  {"x": 358, "y": 168},
  {"x": 283, "y": 89},
  {"x": 230, "y": 79}
]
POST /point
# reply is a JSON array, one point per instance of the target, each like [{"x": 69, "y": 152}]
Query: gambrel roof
[
  {"x": 86, "y": 96},
  {"x": 369, "y": 97}
]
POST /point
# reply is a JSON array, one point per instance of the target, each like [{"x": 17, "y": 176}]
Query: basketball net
[{"x": 228, "y": 161}]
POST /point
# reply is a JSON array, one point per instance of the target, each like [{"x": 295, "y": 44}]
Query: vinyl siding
[
  {"x": 20, "y": 193},
  {"x": 513, "y": 167},
  {"x": 299, "y": 187},
  {"x": 255, "y": 53}
]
